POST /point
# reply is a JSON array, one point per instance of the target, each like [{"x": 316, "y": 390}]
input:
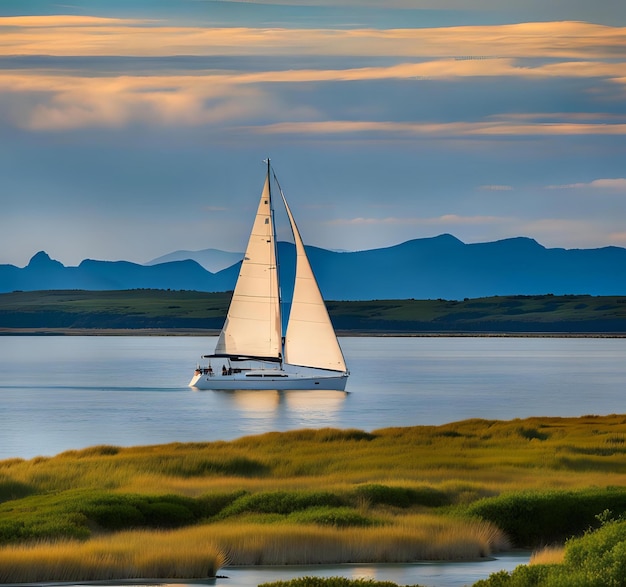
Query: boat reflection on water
[
  {"x": 300, "y": 407},
  {"x": 256, "y": 402},
  {"x": 315, "y": 405}
]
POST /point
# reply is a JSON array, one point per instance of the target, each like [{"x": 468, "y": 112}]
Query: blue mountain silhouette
[{"x": 428, "y": 268}]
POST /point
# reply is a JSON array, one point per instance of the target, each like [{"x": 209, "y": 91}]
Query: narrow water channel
[{"x": 425, "y": 574}]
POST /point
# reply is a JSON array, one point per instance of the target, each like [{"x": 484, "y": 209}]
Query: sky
[{"x": 130, "y": 129}]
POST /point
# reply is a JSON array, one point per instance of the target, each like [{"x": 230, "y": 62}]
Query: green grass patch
[
  {"x": 402, "y": 497},
  {"x": 75, "y": 514},
  {"x": 11, "y": 489},
  {"x": 339, "y": 517},
  {"x": 597, "y": 559},
  {"x": 197, "y": 466},
  {"x": 119, "y": 512},
  {"x": 281, "y": 502},
  {"x": 532, "y": 518}
]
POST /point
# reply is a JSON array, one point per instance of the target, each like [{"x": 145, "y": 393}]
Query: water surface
[
  {"x": 429, "y": 574},
  {"x": 60, "y": 393}
]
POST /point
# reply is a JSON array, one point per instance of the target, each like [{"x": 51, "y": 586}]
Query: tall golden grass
[
  {"x": 412, "y": 538},
  {"x": 200, "y": 551},
  {"x": 189, "y": 553},
  {"x": 549, "y": 555}
]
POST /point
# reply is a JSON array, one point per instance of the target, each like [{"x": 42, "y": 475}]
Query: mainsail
[{"x": 253, "y": 325}]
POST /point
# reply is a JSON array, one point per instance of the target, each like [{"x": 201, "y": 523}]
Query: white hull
[{"x": 262, "y": 380}]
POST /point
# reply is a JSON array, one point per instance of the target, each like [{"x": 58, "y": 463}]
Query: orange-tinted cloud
[
  {"x": 74, "y": 101},
  {"x": 64, "y": 20},
  {"x": 618, "y": 184},
  {"x": 66, "y": 99},
  {"x": 449, "y": 129},
  {"x": 617, "y": 237},
  {"x": 89, "y": 36}
]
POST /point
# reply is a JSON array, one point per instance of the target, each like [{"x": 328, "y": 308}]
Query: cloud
[
  {"x": 550, "y": 232},
  {"x": 65, "y": 20},
  {"x": 64, "y": 101},
  {"x": 489, "y": 128},
  {"x": 60, "y": 100},
  {"x": 617, "y": 237},
  {"x": 66, "y": 35},
  {"x": 250, "y": 101},
  {"x": 68, "y": 102},
  {"x": 618, "y": 184},
  {"x": 568, "y": 233}
]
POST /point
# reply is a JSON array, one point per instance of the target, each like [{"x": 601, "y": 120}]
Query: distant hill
[
  {"x": 432, "y": 268},
  {"x": 211, "y": 259},
  {"x": 43, "y": 273},
  {"x": 445, "y": 267},
  {"x": 77, "y": 310}
]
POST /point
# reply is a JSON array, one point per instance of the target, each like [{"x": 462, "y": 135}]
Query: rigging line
[
  {"x": 282, "y": 302},
  {"x": 279, "y": 295},
  {"x": 280, "y": 189},
  {"x": 293, "y": 226}
]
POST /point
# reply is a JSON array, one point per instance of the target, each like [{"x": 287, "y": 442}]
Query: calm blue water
[
  {"x": 60, "y": 393},
  {"x": 425, "y": 574}
]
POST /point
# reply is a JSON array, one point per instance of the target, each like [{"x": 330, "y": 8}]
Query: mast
[{"x": 276, "y": 262}]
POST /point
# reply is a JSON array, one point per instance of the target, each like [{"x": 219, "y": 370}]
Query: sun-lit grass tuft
[
  {"x": 411, "y": 538},
  {"x": 549, "y": 555},
  {"x": 189, "y": 553}
]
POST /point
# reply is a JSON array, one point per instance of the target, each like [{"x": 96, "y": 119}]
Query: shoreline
[{"x": 342, "y": 333}]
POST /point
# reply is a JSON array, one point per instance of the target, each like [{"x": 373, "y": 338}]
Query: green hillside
[
  {"x": 185, "y": 310},
  {"x": 545, "y": 313}
]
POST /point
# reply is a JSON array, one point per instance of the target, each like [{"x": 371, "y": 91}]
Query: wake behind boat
[{"x": 251, "y": 352}]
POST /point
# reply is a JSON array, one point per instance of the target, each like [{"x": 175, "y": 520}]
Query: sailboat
[{"x": 251, "y": 351}]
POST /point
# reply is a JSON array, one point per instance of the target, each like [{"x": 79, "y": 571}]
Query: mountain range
[{"x": 429, "y": 268}]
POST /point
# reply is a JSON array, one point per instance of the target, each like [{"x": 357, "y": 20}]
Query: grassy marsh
[{"x": 459, "y": 491}]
